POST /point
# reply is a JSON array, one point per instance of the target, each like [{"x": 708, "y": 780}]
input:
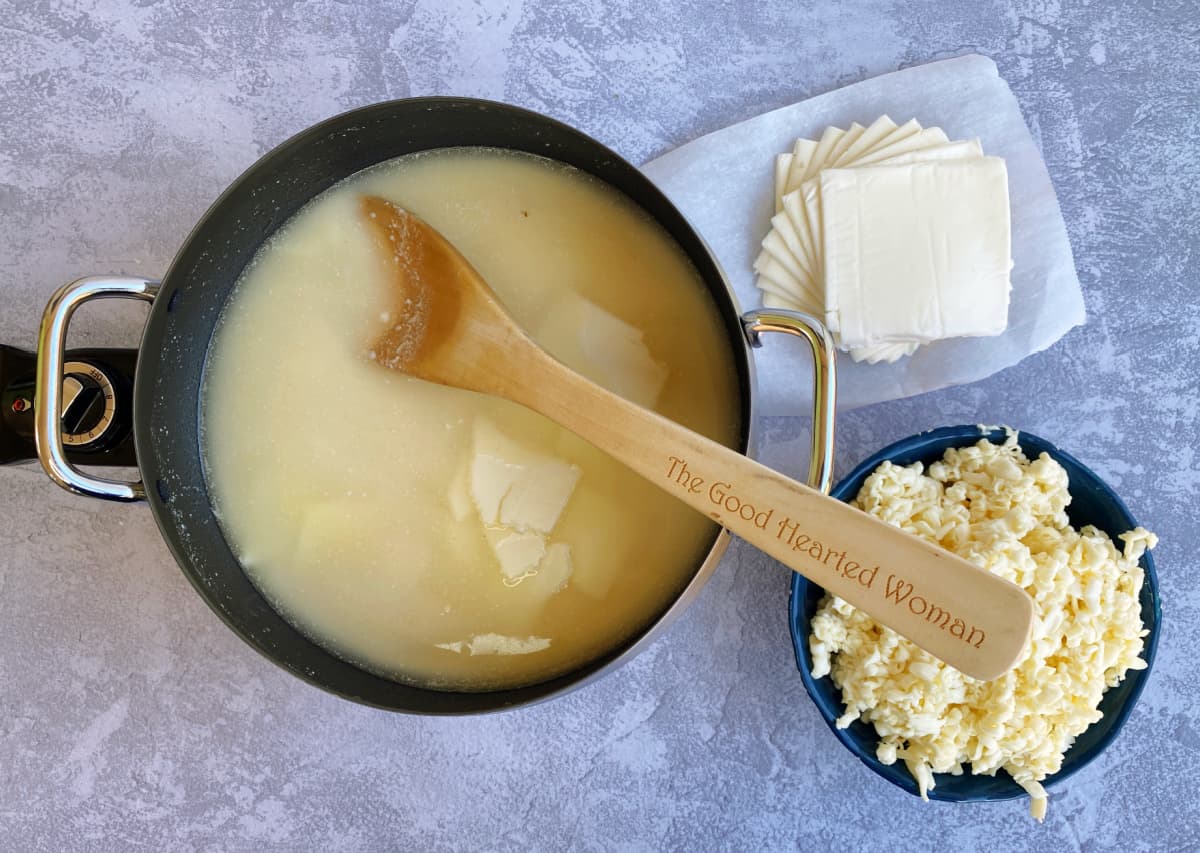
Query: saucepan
[{"x": 84, "y": 406}]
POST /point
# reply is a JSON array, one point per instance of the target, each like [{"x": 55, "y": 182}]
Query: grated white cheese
[{"x": 991, "y": 505}]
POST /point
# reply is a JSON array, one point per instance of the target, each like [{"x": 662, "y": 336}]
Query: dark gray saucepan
[{"x": 186, "y": 306}]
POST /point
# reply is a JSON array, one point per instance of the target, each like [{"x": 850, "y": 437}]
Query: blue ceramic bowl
[{"x": 1092, "y": 502}]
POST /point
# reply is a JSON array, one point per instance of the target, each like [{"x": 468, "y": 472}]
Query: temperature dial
[
  {"x": 88, "y": 404},
  {"x": 96, "y": 406}
]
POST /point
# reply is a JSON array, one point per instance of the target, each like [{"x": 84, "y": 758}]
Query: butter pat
[
  {"x": 525, "y": 559},
  {"x": 519, "y": 495},
  {"x": 602, "y": 347},
  {"x": 518, "y": 553},
  {"x": 496, "y": 644},
  {"x": 518, "y": 488},
  {"x": 916, "y": 252},
  {"x": 553, "y": 572}
]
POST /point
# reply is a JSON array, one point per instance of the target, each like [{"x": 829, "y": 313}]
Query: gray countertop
[{"x": 131, "y": 718}]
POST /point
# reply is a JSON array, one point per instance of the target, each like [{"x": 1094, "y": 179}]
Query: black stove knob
[
  {"x": 97, "y": 406},
  {"x": 89, "y": 405}
]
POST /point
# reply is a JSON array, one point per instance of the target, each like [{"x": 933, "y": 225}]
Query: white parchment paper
[{"x": 723, "y": 183}]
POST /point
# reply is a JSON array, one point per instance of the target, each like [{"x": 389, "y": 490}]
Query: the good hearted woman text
[{"x": 897, "y": 591}]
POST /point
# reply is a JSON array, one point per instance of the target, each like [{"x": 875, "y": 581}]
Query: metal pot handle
[
  {"x": 820, "y": 464},
  {"x": 50, "y": 355}
]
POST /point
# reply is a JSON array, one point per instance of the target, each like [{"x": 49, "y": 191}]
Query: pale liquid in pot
[{"x": 352, "y": 494}]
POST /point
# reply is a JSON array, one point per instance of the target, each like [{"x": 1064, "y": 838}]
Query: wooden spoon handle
[{"x": 973, "y": 620}]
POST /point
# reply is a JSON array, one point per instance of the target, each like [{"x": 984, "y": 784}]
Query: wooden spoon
[{"x": 452, "y": 330}]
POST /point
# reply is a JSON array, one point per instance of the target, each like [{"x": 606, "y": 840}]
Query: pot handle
[
  {"x": 820, "y": 464},
  {"x": 48, "y": 390}
]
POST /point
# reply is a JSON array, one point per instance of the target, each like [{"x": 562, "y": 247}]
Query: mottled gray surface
[{"x": 130, "y": 718}]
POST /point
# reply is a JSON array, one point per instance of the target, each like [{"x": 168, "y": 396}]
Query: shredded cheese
[{"x": 1004, "y": 512}]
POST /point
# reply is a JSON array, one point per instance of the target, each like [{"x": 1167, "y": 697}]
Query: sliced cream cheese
[
  {"x": 602, "y": 347},
  {"x": 916, "y": 252},
  {"x": 768, "y": 285},
  {"x": 883, "y": 353},
  {"x": 496, "y": 644},
  {"x": 773, "y": 273},
  {"x": 782, "y": 226},
  {"x": 797, "y": 165},
  {"x": 851, "y": 136},
  {"x": 537, "y": 498},
  {"x": 519, "y": 553},
  {"x": 783, "y": 165},
  {"x": 963, "y": 149},
  {"x": 553, "y": 572},
  {"x": 516, "y": 487},
  {"x": 791, "y": 271},
  {"x": 793, "y": 208},
  {"x": 776, "y": 247},
  {"x": 816, "y": 162},
  {"x": 518, "y": 495},
  {"x": 926, "y": 137},
  {"x": 807, "y": 209},
  {"x": 867, "y": 141},
  {"x": 810, "y": 198},
  {"x": 896, "y": 134}
]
